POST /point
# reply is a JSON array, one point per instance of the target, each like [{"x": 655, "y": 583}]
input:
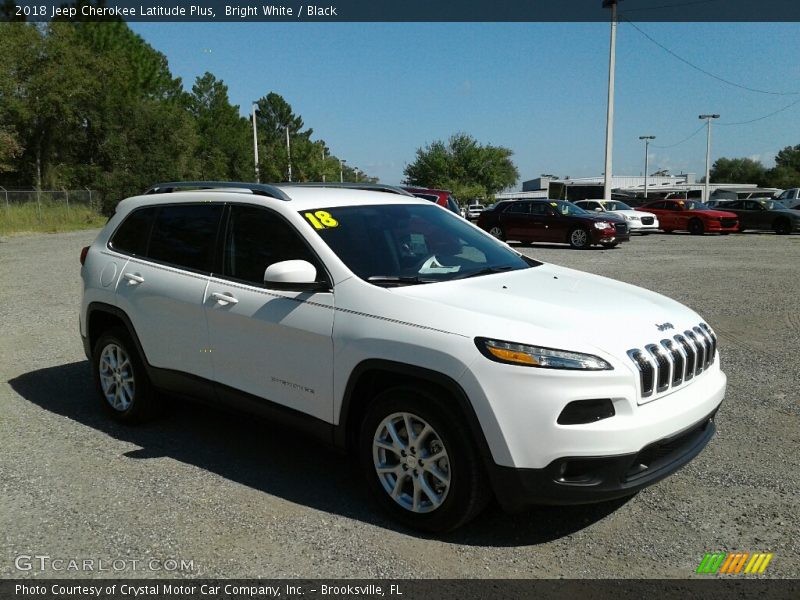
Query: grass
[{"x": 49, "y": 217}]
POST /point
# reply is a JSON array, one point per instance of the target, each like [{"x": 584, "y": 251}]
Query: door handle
[
  {"x": 224, "y": 298},
  {"x": 133, "y": 278}
]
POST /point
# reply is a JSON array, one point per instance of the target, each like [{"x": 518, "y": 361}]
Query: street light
[
  {"x": 255, "y": 143},
  {"x": 646, "y": 139},
  {"x": 708, "y": 149},
  {"x": 341, "y": 169},
  {"x": 610, "y": 114},
  {"x": 289, "y": 153}
]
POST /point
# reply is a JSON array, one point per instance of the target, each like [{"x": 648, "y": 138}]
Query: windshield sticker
[
  {"x": 434, "y": 267},
  {"x": 321, "y": 219},
  {"x": 554, "y": 204}
]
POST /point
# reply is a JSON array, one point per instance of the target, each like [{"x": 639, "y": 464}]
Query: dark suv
[{"x": 552, "y": 221}]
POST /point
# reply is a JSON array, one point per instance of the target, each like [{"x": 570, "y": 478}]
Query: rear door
[
  {"x": 162, "y": 292},
  {"x": 516, "y": 222}
]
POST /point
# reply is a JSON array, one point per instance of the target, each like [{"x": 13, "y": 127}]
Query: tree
[
  {"x": 273, "y": 117},
  {"x": 738, "y": 170},
  {"x": 223, "y": 148},
  {"x": 463, "y": 166}
]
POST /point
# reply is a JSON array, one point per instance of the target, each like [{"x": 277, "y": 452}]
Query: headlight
[
  {"x": 536, "y": 356},
  {"x": 602, "y": 225}
]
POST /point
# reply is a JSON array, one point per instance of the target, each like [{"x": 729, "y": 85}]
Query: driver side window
[{"x": 255, "y": 238}]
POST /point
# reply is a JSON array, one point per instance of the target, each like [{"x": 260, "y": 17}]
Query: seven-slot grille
[
  {"x": 647, "y": 220},
  {"x": 674, "y": 361}
]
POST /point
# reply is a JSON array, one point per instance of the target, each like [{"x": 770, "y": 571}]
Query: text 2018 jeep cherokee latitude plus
[{"x": 451, "y": 365}]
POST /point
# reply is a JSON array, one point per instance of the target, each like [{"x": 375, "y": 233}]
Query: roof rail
[
  {"x": 352, "y": 185},
  {"x": 260, "y": 189}
]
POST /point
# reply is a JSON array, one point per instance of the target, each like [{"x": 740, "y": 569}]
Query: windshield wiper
[
  {"x": 486, "y": 271},
  {"x": 398, "y": 280}
]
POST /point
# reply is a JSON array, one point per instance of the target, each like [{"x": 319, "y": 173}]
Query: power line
[
  {"x": 676, "y": 5},
  {"x": 780, "y": 110},
  {"x": 686, "y": 139},
  {"x": 708, "y": 73}
]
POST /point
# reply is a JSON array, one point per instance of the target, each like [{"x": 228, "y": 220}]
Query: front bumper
[{"x": 584, "y": 480}]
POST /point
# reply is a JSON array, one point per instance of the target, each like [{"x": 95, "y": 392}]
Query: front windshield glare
[
  {"x": 568, "y": 208},
  {"x": 695, "y": 205},
  {"x": 396, "y": 244}
]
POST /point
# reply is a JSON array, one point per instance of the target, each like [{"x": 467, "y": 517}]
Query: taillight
[{"x": 84, "y": 252}]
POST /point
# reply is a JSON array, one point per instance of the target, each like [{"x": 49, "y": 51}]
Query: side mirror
[
  {"x": 598, "y": 209},
  {"x": 298, "y": 275}
]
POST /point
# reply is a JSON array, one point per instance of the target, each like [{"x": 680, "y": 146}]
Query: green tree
[
  {"x": 223, "y": 149},
  {"x": 464, "y": 166},
  {"x": 274, "y": 116},
  {"x": 738, "y": 170}
]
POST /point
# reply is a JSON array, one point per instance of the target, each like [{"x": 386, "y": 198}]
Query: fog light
[{"x": 580, "y": 412}]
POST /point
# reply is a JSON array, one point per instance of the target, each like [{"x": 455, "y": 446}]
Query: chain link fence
[{"x": 48, "y": 210}]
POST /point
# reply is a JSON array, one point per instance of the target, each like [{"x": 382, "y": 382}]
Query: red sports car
[{"x": 690, "y": 215}]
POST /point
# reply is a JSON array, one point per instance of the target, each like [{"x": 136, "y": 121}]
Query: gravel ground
[{"x": 241, "y": 498}]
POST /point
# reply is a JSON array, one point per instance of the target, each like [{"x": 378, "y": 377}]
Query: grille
[
  {"x": 647, "y": 220},
  {"x": 673, "y": 362},
  {"x": 727, "y": 222},
  {"x": 621, "y": 227}
]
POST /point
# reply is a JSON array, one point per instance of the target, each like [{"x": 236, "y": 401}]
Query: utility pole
[
  {"x": 610, "y": 115},
  {"x": 289, "y": 153},
  {"x": 323, "y": 162},
  {"x": 255, "y": 144},
  {"x": 341, "y": 169},
  {"x": 708, "y": 119},
  {"x": 646, "y": 139}
]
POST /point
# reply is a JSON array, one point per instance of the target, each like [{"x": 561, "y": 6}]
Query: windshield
[
  {"x": 568, "y": 208},
  {"x": 395, "y": 244},
  {"x": 616, "y": 205},
  {"x": 772, "y": 204},
  {"x": 695, "y": 205}
]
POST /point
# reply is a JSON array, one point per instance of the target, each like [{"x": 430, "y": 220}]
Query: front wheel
[
  {"x": 120, "y": 378},
  {"x": 783, "y": 227},
  {"x": 579, "y": 238},
  {"x": 498, "y": 232},
  {"x": 420, "y": 461}
]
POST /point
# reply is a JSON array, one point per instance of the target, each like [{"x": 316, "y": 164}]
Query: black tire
[
  {"x": 497, "y": 231},
  {"x": 696, "y": 227},
  {"x": 466, "y": 491},
  {"x": 782, "y": 227},
  {"x": 579, "y": 238},
  {"x": 133, "y": 401}
]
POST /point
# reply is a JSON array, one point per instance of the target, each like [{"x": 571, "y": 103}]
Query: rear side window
[
  {"x": 131, "y": 237},
  {"x": 184, "y": 235}
]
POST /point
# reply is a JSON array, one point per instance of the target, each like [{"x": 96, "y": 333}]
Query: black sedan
[{"x": 764, "y": 214}]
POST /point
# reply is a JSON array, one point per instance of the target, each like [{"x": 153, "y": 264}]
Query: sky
[{"x": 376, "y": 92}]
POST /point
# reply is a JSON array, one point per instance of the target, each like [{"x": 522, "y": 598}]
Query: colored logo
[{"x": 729, "y": 563}]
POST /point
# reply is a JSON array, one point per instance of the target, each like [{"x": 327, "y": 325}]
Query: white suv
[{"x": 453, "y": 367}]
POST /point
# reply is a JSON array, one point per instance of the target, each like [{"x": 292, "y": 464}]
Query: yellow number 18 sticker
[{"x": 321, "y": 219}]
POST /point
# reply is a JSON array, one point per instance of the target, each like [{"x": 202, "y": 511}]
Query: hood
[
  {"x": 556, "y": 306},
  {"x": 719, "y": 214}
]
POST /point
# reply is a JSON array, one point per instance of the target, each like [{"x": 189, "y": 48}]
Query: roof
[{"x": 295, "y": 196}]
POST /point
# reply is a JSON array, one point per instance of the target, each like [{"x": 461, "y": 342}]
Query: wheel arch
[
  {"x": 100, "y": 317},
  {"x": 373, "y": 376}
]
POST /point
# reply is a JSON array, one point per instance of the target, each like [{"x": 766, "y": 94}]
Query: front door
[{"x": 271, "y": 343}]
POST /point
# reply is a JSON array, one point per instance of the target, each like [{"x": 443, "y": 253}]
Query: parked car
[
  {"x": 452, "y": 367},
  {"x": 719, "y": 203},
  {"x": 553, "y": 221},
  {"x": 765, "y": 215},
  {"x": 790, "y": 198},
  {"x": 442, "y": 197},
  {"x": 638, "y": 221},
  {"x": 690, "y": 215},
  {"x": 474, "y": 211}
]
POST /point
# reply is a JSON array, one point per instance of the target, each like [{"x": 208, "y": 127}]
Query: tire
[
  {"x": 667, "y": 230},
  {"x": 610, "y": 245},
  {"x": 122, "y": 383},
  {"x": 456, "y": 484},
  {"x": 696, "y": 227},
  {"x": 497, "y": 232},
  {"x": 579, "y": 238},
  {"x": 782, "y": 227}
]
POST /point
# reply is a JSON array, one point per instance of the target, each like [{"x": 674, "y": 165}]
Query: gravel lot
[{"x": 244, "y": 499}]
